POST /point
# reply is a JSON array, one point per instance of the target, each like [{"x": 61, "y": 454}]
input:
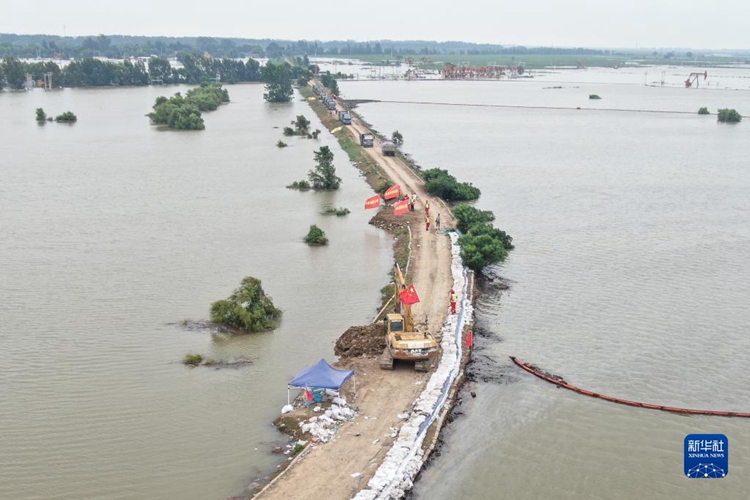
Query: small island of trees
[
  {"x": 316, "y": 236},
  {"x": 727, "y": 115},
  {"x": 184, "y": 113},
  {"x": 248, "y": 309},
  {"x": 67, "y": 117},
  {"x": 278, "y": 80},
  {"x": 323, "y": 177}
]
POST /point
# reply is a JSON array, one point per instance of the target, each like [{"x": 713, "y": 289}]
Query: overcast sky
[{"x": 594, "y": 23}]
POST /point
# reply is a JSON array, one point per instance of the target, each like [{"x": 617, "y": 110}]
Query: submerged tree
[
  {"x": 278, "y": 80},
  {"x": 323, "y": 176},
  {"x": 316, "y": 236},
  {"x": 41, "y": 116},
  {"x": 397, "y": 138},
  {"x": 248, "y": 308},
  {"x": 727, "y": 115}
]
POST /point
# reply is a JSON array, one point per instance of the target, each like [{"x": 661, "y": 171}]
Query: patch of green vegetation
[
  {"x": 248, "y": 308},
  {"x": 67, "y": 117},
  {"x": 184, "y": 113},
  {"x": 727, "y": 115},
  {"x": 338, "y": 212},
  {"x": 288, "y": 131},
  {"x": 192, "y": 359},
  {"x": 288, "y": 425},
  {"x": 703, "y": 111},
  {"x": 297, "y": 449},
  {"x": 440, "y": 183},
  {"x": 316, "y": 236},
  {"x": 323, "y": 176},
  {"x": 281, "y": 144},
  {"x": 481, "y": 244},
  {"x": 41, "y": 116},
  {"x": 594, "y": 96},
  {"x": 302, "y": 185}
]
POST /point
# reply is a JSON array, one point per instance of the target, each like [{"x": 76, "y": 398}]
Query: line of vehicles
[{"x": 366, "y": 140}]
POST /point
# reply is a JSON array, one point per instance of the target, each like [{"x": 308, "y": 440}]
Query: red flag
[
  {"x": 401, "y": 207},
  {"x": 372, "y": 202},
  {"x": 308, "y": 395},
  {"x": 470, "y": 339},
  {"x": 409, "y": 295},
  {"x": 393, "y": 192}
]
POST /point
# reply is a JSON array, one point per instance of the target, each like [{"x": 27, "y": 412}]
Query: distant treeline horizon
[{"x": 122, "y": 46}]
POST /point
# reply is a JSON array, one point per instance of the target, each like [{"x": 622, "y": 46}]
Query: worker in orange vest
[{"x": 454, "y": 299}]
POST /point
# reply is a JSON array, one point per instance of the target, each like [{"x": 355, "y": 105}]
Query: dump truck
[
  {"x": 366, "y": 140},
  {"x": 331, "y": 104},
  {"x": 316, "y": 90},
  {"x": 403, "y": 340},
  {"x": 389, "y": 148},
  {"x": 345, "y": 117}
]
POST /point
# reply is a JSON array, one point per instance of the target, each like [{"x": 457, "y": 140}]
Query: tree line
[
  {"x": 90, "y": 72},
  {"x": 120, "y": 47}
]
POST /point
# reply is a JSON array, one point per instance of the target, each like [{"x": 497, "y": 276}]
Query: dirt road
[{"x": 339, "y": 469}]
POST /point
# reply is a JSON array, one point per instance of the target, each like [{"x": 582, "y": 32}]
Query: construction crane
[
  {"x": 403, "y": 340},
  {"x": 693, "y": 78}
]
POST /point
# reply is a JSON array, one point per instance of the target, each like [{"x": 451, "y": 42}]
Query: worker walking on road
[
  {"x": 437, "y": 223},
  {"x": 427, "y": 207},
  {"x": 427, "y": 223},
  {"x": 412, "y": 201},
  {"x": 454, "y": 299}
]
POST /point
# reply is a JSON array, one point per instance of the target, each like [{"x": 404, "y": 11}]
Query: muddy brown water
[{"x": 112, "y": 231}]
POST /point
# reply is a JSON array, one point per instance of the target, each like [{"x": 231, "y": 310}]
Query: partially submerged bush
[
  {"x": 67, "y": 117},
  {"x": 440, "y": 183},
  {"x": 281, "y": 144},
  {"x": 248, "y": 308},
  {"x": 288, "y": 131},
  {"x": 338, "y": 212},
  {"x": 316, "y": 236},
  {"x": 192, "y": 359},
  {"x": 727, "y": 115},
  {"x": 41, "y": 116},
  {"x": 481, "y": 244},
  {"x": 468, "y": 216},
  {"x": 703, "y": 111},
  {"x": 594, "y": 96},
  {"x": 299, "y": 185}
]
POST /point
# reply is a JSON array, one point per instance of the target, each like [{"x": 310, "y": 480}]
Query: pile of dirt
[
  {"x": 385, "y": 219},
  {"x": 368, "y": 340}
]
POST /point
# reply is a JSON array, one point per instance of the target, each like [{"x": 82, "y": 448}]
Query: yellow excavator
[{"x": 403, "y": 340}]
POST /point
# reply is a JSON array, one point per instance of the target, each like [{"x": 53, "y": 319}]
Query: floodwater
[
  {"x": 630, "y": 278},
  {"x": 113, "y": 232}
]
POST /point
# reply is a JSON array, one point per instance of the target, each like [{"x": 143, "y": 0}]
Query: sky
[{"x": 717, "y": 24}]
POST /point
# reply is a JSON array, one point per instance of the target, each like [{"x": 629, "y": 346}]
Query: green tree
[
  {"x": 397, "y": 137},
  {"x": 15, "y": 73},
  {"x": 477, "y": 252},
  {"x": 727, "y": 115},
  {"x": 316, "y": 236},
  {"x": 495, "y": 233},
  {"x": 323, "y": 176},
  {"x": 703, "y": 111},
  {"x": 468, "y": 217},
  {"x": 248, "y": 308},
  {"x": 278, "y": 80},
  {"x": 301, "y": 124},
  {"x": 330, "y": 83},
  {"x": 67, "y": 117},
  {"x": 160, "y": 69},
  {"x": 440, "y": 183},
  {"x": 41, "y": 116}
]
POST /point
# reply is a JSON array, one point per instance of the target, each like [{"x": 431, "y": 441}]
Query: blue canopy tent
[{"x": 321, "y": 375}]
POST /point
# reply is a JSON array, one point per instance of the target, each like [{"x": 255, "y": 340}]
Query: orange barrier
[{"x": 562, "y": 383}]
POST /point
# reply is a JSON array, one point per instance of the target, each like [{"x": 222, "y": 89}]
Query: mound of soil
[
  {"x": 368, "y": 340},
  {"x": 385, "y": 219}
]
